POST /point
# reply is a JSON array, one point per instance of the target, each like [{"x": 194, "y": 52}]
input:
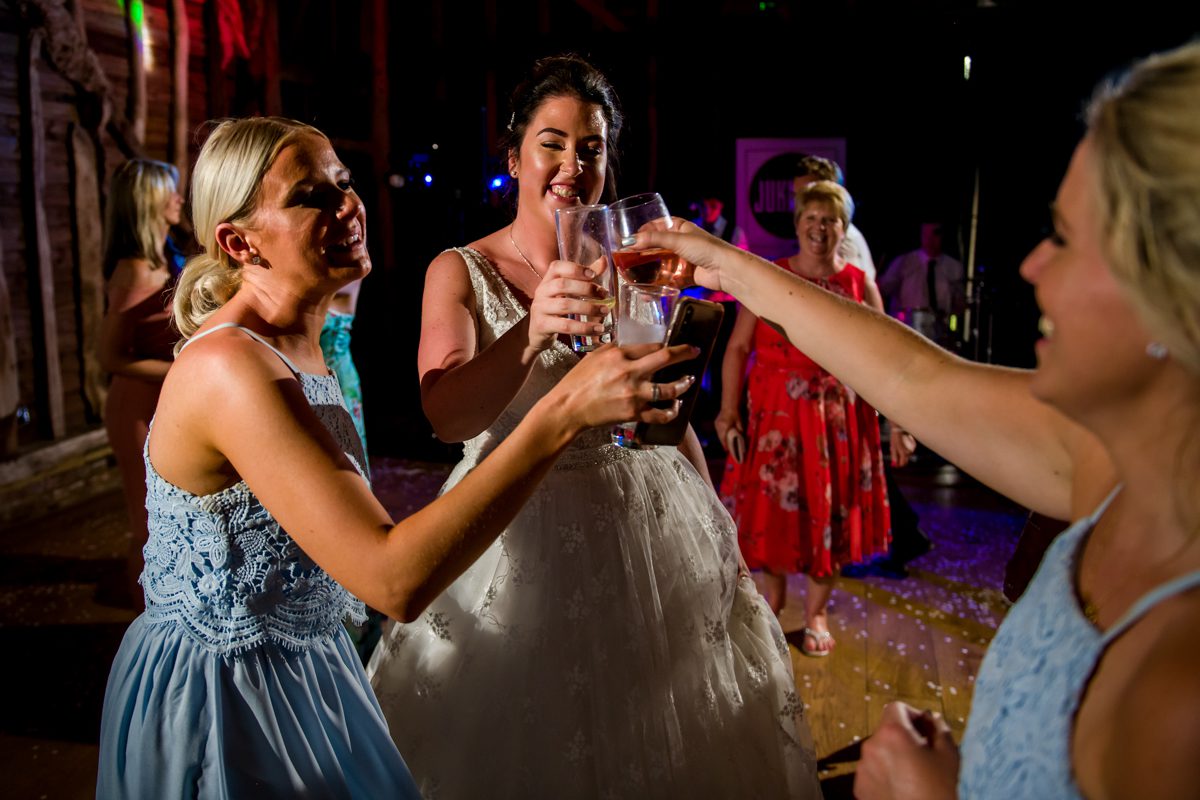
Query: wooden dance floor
[{"x": 919, "y": 639}]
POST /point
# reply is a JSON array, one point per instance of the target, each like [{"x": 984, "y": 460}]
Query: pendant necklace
[{"x": 521, "y": 253}]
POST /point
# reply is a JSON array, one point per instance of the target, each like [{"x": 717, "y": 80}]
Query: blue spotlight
[{"x": 428, "y": 179}]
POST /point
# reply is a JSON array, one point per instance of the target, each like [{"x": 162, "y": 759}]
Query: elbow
[
  {"x": 410, "y": 613},
  {"x": 406, "y": 590},
  {"x": 406, "y": 605},
  {"x": 450, "y": 431},
  {"x": 448, "y": 427}
]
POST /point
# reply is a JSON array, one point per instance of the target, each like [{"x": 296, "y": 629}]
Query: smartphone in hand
[
  {"x": 695, "y": 322},
  {"x": 735, "y": 443}
]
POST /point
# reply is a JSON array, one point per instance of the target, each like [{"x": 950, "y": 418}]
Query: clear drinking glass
[
  {"x": 656, "y": 265},
  {"x": 585, "y": 237},
  {"x": 643, "y": 312}
]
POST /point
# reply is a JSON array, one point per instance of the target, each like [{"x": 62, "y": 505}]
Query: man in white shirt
[{"x": 926, "y": 289}]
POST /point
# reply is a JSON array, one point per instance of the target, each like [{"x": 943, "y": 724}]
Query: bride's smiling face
[{"x": 563, "y": 155}]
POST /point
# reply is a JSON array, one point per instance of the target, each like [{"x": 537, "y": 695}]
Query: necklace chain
[{"x": 521, "y": 253}]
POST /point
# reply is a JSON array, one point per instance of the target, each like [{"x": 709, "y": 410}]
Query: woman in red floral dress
[{"x": 809, "y": 494}]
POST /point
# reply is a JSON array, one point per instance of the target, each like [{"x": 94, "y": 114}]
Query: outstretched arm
[
  {"x": 204, "y": 440},
  {"x": 983, "y": 418}
]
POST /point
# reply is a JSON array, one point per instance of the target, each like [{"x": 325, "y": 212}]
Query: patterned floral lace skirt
[{"x": 602, "y": 647}]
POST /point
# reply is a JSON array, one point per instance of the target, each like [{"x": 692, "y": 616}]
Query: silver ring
[{"x": 654, "y": 393}]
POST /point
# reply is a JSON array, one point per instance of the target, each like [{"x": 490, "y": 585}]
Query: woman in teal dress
[
  {"x": 239, "y": 679},
  {"x": 335, "y": 344}
]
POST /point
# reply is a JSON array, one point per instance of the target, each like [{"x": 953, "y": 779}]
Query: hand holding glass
[
  {"x": 643, "y": 313},
  {"x": 657, "y": 265},
  {"x": 585, "y": 237}
]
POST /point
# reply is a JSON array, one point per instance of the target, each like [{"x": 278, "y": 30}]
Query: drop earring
[{"x": 1157, "y": 350}]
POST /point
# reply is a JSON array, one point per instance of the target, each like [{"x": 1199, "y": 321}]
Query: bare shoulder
[
  {"x": 448, "y": 260},
  {"x": 1157, "y": 713},
  {"x": 448, "y": 280},
  {"x": 224, "y": 387},
  {"x": 224, "y": 366},
  {"x": 136, "y": 272}
]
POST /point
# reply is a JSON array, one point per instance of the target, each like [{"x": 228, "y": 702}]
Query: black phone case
[{"x": 695, "y": 322}]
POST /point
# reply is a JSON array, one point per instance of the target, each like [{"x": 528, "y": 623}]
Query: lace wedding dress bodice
[
  {"x": 499, "y": 310},
  {"x": 222, "y": 568}
]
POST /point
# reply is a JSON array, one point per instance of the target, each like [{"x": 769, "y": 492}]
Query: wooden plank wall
[
  {"x": 64, "y": 404},
  {"x": 160, "y": 85}
]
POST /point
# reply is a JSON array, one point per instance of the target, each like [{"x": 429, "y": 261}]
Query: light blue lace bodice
[
  {"x": 497, "y": 309},
  {"x": 221, "y": 568},
  {"x": 1018, "y": 738}
]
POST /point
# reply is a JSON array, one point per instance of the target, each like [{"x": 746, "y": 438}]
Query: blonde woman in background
[
  {"x": 136, "y": 337},
  {"x": 239, "y": 679}
]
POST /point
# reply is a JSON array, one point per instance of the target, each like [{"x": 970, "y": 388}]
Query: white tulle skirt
[{"x": 603, "y": 646}]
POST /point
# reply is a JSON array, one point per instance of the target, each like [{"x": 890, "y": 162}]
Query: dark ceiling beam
[{"x": 602, "y": 15}]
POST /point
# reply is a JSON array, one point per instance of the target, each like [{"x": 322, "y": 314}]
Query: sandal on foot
[{"x": 819, "y": 638}]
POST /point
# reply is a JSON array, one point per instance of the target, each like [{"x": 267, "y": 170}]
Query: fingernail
[
  {"x": 628, "y": 240},
  {"x": 597, "y": 329},
  {"x": 690, "y": 379},
  {"x": 588, "y": 273},
  {"x": 695, "y": 350}
]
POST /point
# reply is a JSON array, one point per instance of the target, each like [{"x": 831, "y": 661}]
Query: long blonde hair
[
  {"x": 1145, "y": 129},
  {"x": 225, "y": 188},
  {"x": 134, "y": 224}
]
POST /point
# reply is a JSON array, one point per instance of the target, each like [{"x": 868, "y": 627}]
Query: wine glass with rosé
[{"x": 655, "y": 266}]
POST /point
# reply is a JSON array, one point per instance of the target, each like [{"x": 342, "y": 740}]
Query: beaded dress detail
[{"x": 603, "y": 646}]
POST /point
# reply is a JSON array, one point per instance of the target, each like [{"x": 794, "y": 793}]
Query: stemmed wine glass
[{"x": 657, "y": 266}]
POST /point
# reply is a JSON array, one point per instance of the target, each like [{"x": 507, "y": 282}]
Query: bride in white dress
[{"x": 608, "y": 644}]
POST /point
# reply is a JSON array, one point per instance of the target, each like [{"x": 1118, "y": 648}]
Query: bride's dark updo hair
[{"x": 566, "y": 76}]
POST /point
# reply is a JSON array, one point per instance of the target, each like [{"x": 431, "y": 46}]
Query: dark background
[{"x": 695, "y": 76}]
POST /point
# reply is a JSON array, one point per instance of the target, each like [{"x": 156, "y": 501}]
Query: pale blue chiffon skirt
[{"x": 182, "y": 721}]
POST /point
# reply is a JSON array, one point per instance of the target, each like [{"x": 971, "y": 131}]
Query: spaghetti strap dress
[{"x": 239, "y": 680}]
